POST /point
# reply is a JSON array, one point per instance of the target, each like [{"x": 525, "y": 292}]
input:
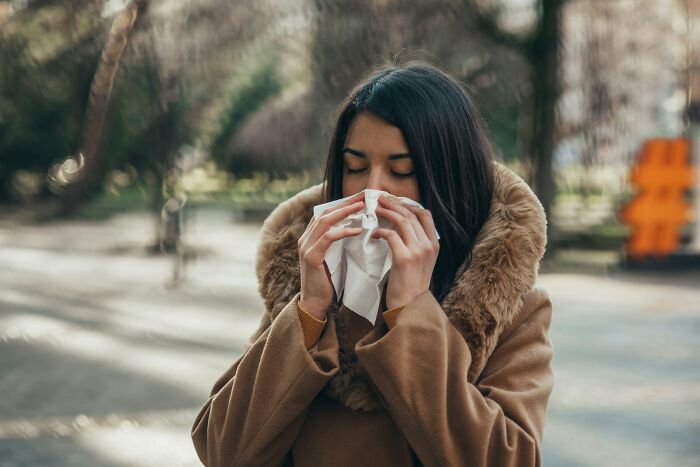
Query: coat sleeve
[
  {"x": 257, "y": 407},
  {"x": 419, "y": 368},
  {"x": 311, "y": 326}
]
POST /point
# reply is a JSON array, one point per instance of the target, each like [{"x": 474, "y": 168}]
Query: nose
[{"x": 376, "y": 180}]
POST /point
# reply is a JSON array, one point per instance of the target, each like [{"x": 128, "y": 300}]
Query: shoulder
[
  {"x": 524, "y": 347},
  {"x": 284, "y": 221},
  {"x": 277, "y": 258},
  {"x": 535, "y": 309}
]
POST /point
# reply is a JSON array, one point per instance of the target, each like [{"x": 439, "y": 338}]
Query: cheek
[
  {"x": 350, "y": 187},
  {"x": 409, "y": 189}
]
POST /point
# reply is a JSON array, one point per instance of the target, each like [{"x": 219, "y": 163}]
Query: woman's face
[{"x": 379, "y": 154}]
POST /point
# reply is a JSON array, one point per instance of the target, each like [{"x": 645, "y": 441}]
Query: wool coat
[{"x": 462, "y": 382}]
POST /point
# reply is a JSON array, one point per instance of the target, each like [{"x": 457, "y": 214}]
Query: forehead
[{"x": 373, "y": 136}]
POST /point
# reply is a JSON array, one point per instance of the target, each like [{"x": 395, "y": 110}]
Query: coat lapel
[{"x": 483, "y": 301}]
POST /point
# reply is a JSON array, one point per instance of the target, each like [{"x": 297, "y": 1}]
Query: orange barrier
[{"x": 662, "y": 174}]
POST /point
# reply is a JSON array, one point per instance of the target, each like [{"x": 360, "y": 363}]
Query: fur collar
[{"x": 482, "y": 302}]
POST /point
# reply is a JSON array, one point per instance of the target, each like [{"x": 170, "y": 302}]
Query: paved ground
[{"x": 102, "y": 363}]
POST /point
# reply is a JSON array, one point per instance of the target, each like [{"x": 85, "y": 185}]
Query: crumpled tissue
[{"x": 359, "y": 265}]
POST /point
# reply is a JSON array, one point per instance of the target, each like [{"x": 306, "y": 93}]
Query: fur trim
[{"x": 483, "y": 301}]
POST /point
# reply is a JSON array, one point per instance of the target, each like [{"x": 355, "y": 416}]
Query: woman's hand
[
  {"x": 414, "y": 247},
  {"x": 316, "y": 285}
]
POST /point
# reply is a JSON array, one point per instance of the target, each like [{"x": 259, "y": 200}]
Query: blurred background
[{"x": 143, "y": 142}]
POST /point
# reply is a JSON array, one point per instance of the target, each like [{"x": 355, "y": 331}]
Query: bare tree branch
[{"x": 486, "y": 21}]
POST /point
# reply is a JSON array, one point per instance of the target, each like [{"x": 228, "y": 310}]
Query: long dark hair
[{"x": 447, "y": 140}]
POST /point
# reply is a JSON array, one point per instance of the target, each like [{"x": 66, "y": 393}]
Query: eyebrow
[{"x": 355, "y": 152}]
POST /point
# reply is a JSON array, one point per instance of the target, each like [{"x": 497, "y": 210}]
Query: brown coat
[{"x": 464, "y": 382}]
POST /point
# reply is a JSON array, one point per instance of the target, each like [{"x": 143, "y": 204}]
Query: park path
[{"x": 103, "y": 363}]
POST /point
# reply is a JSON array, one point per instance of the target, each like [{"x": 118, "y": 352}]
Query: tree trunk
[
  {"x": 80, "y": 183},
  {"x": 544, "y": 59}
]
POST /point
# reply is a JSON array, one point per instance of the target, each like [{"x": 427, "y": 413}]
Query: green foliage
[
  {"x": 503, "y": 125},
  {"x": 145, "y": 130},
  {"x": 40, "y": 107},
  {"x": 247, "y": 98}
]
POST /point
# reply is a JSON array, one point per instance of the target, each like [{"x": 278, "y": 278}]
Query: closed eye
[{"x": 396, "y": 174}]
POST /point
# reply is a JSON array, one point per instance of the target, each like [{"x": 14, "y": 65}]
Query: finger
[
  {"x": 332, "y": 215},
  {"x": 326, "y": 221},
  {"x": 397, "y": 246},
  {"x": 407, "y": 232},
  {"x": 318, "y": 251},
  {"x": 333, "y": 209},
  {"x": 355, "y": 198},
  {"x": 425, "y": 217},
  {"x": 409, "y": 217}
]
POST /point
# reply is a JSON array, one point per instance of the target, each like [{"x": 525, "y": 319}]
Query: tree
[
  {"x": 351, "y": 36},
  {"x": 93, "y": 126},
  {"x": 540, "y": 47},
  {"x": 44, "y": 82}
]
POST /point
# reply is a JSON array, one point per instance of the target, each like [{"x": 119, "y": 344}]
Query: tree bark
[
  {"x": 541, "y": 48},
  {"x": 79, "y": 184},
  {"x": 544, "y": 59}
]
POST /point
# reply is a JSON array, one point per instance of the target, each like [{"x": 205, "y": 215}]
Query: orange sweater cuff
[
  {"x": 391, "y": 314},
  {"x": 311, "y": 326}
]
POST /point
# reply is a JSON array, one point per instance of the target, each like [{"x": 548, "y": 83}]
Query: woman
[{"x": 456, "y": 369}]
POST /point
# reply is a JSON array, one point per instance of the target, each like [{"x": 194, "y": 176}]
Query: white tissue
[{"x": 359, "y": 264}]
